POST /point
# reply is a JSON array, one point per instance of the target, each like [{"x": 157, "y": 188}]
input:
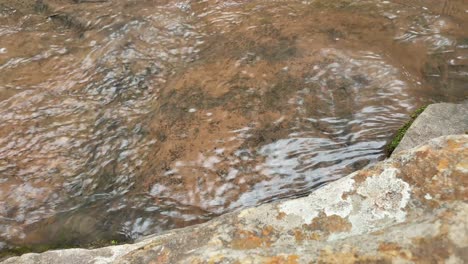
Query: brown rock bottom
[{"x": 410, "y": 208}]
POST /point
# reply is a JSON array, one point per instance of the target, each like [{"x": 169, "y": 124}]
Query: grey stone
[{"x": 437, "y": 120}]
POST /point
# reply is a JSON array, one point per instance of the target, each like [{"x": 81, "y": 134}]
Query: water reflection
[{"x": 119, "y": 119}]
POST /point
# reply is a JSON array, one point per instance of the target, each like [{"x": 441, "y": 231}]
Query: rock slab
[
  {"x": 437, "y": 120},
  {"x": 411, "y": 208}
]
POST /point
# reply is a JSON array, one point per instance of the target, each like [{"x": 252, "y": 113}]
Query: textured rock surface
[
  {"x": 410, "y": 208},
  {"x": 437, "y": 120}
]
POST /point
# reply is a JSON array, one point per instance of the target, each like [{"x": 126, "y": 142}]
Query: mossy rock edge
[{"x": 398, "y": 136}]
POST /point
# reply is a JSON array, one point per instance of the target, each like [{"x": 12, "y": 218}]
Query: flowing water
[{"x": 123, "y": 118}]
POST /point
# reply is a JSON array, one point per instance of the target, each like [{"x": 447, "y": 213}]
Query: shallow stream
[{"x": 124, "y": 118}]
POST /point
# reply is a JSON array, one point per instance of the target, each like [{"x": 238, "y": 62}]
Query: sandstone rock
[
  {"x": 437, "y": 120},
  {"x": 410, "y": 208}
]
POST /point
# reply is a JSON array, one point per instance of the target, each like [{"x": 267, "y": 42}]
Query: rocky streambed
[{"x": 121, "y": 119}]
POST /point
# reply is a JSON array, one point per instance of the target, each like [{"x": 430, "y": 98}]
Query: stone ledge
[{"x": 437, "y": 120}]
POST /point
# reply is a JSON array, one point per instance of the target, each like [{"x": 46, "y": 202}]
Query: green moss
[
  {"x": 418, "y": 111},
  {"x": 402, "y": 131}
]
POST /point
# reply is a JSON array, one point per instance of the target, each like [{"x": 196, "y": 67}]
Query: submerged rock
[{"x": 409, "y": 208}]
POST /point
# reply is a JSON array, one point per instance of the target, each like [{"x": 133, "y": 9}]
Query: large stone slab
[
  {"x": 437, "y": 120},
  {"x": 410, "y": 208}
]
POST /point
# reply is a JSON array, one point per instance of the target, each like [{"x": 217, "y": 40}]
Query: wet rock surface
[
  {"x": 436, "y": 120},
  {"x": 410, "y": 208}
]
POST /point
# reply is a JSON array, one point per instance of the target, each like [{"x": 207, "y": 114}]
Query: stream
[{"x": 125, "y": 118}]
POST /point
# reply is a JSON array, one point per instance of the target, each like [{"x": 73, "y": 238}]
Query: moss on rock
[{"x": 398, "y": 136}]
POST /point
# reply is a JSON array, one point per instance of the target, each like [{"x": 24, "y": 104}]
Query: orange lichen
[
  {"x": 250, "y": 240},
  {"x": 300, "y": 236},
  {"x": 431, "y": 250},
  {"x": 291, "y": 259},
  {"x": 443, "y": 164},
  {"x": 267, "y": 230},
  {"x": 394, "y": 250},
  {"x": 454, "y": 145},
  {"x": 330, "y": 224},
  {"x": 434, "y": 177},
  {"x": 216, "y": 259},
  {"x": 280, "y": 215},
  {"x": 362, "y": 175},
  {"x": 389, "y": 247},
  {"x": 327, "y": 256}
]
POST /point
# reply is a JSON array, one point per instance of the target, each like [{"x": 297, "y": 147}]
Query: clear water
[{"x": 120, "y": 119}]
